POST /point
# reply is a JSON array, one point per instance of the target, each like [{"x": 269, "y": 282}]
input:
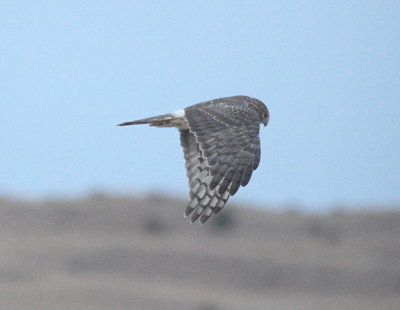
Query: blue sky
[{"x": 329, "y": 72}]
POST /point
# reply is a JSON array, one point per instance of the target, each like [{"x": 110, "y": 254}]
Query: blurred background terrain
[{"x": 101, "y": 252}]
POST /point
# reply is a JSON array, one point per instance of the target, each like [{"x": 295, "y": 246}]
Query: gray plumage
[{"x": 221, "y": 145}]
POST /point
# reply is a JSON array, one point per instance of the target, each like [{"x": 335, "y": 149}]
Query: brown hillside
[{"x": 139, "y": 253}]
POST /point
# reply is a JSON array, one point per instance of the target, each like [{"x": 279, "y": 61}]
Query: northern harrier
[{"x": 221, "y": 145}]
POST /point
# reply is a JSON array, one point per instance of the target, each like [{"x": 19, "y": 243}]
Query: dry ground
[{"x": 139, "y": 253}]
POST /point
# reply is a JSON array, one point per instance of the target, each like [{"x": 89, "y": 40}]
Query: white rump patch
[
  {"x": 177, "y": 119},
  {"x": 179, "y": 113}
]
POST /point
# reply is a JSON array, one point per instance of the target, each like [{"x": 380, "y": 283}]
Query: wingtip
[
  {"x": 194, "y": 217},
  {"x": 202, "y": 221}
]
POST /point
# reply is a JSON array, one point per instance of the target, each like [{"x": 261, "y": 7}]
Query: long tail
[{"x": 153, "y": 121}]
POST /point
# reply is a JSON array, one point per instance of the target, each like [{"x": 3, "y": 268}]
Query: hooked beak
[{"x": 266, "y": 122}]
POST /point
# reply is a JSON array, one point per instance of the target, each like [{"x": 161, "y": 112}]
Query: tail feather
[{"x": 153, "y": 121}]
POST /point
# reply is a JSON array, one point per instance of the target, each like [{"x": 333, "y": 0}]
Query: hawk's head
[{"x": 261, "y": 109}]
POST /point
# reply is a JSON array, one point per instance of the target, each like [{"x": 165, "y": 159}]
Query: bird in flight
[{"x": 221, "y": 145}]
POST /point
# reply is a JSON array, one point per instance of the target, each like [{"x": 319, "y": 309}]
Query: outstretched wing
[
  {"x": 204, "y": 201},
  {"x": 222, "y": 149}
]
